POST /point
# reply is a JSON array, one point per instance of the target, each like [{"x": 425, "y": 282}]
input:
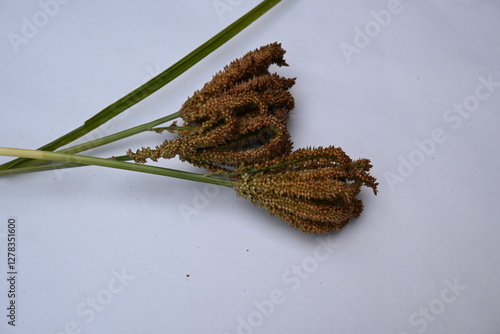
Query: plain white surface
[{"x": 105, "y": 251}]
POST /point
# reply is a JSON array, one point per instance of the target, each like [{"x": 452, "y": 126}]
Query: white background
[{"x": 423, "y": 257}]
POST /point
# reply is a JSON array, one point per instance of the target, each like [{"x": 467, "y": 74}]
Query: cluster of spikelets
[
  {"x": 238, "y": 118},
  {"x": 235, "y": 127},
  {"x": 313, "y": 189}
]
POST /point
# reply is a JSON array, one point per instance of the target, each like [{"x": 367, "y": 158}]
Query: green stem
[
  {"x": 157, "y": 82},
  {"x": 86, "y": 160},
  {"x": 41, "y": 168},
  {"x": 51, "y": 166},
  {"x": 98, "y": 142},
  {"x": 119, "y": 135},
  {"x": 173, "y": 128}
]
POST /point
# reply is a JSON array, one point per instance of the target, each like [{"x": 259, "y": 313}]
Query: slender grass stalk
[
  {"x": 40, "y": 168},
  {"x": 47, "y": 165},
  {"x": 111, "y": 163},
  {"x": 119, "y": 135},
  {"x": 155, "y": 83},
  {"x": 96, "y": 143}
]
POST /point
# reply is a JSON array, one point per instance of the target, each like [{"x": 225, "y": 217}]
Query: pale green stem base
[
  {"x": 52, "y": 166},
  {"x": 93, "y": 144},
  {"x": 86, "y": 160}
]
